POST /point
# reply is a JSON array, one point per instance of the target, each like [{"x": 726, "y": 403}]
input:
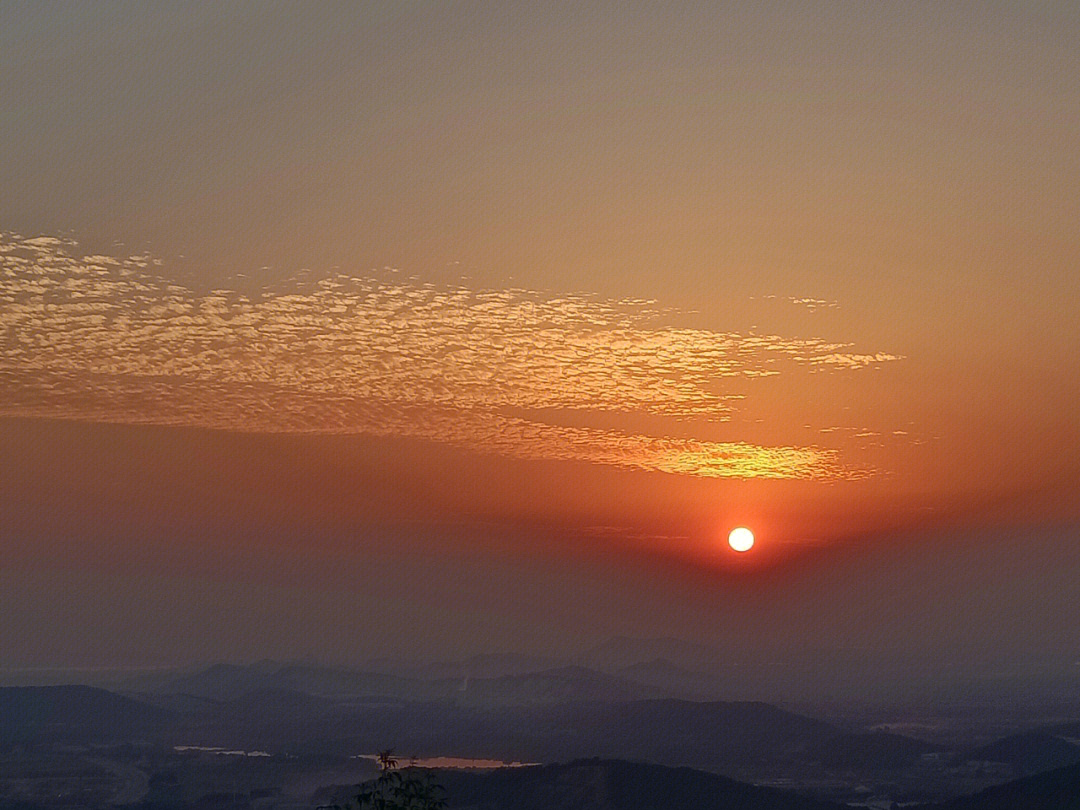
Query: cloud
[
  {"x": 102, "y": 338},
  {"x": 848, "y": 360},
  {"x": 809, "y": 303}
]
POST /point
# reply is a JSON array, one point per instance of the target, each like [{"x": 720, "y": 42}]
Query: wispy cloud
[
  {"x": 102, "y": 338},
  {"x": 808, "y": 302}
]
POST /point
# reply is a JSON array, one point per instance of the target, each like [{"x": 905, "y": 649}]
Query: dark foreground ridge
[
  {"x": 1031, "y": 752},
  {"x": 74, "y": 713},
  {"x": 602, "y": 784},
  {"x": 1054, "y": 790},
  {"x": 599, "y": 784}
]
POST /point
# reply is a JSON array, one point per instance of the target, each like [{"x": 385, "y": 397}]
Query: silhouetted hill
[
  {"x": 728, "y": 738},
  {"x": 1054, "y": 790},
  {"x": 231, "y": 681},
  {"x": 488, "y": 665},
  {"x": 675, "y": 680},
  {"x": 878, "y": 749},
  {"x": 551, "y": 716},
  {"x": 226, "y": 682},
  {"x": 277, "y": 703},
  {"x": 1030, "y": 753},
  {"x": 614, "y": 785},
  {"x": 598, "y": 784},
  {"x": 620, "y": 652},
  {"x": 561, "y": 685},
  {"x": 179, "y": 704},
  {"x": 74, "y": 713},
  {"x": 714, "y": 735}
]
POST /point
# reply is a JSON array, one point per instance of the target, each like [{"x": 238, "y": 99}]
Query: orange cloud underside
[{"x": 101, "y": 338}]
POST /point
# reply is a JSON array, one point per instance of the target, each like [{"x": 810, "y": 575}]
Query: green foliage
[{"x": 407, "y": 789}]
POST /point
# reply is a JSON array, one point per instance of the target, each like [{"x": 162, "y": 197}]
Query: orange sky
[{"x": 538, "y": 283}]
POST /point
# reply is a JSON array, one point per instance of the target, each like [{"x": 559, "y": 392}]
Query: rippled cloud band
[{"x": 106, "y": 338}]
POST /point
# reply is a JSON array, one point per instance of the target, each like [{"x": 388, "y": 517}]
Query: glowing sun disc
[{"x": 741, "y": 539}]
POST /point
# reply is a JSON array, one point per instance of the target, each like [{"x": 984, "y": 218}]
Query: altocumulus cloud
[{"x": 103, "y": 338}]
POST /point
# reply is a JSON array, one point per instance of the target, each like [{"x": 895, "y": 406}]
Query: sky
[{"x": 429, "y": 328}]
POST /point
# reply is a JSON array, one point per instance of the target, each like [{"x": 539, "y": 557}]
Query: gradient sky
[{"x": 358, "y": 329}]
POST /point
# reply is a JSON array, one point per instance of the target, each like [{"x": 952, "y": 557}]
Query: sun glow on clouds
[{"x": 101, "y": 338}]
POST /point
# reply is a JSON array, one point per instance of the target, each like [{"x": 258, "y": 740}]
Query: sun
[{"x": 741, "y": 539}]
